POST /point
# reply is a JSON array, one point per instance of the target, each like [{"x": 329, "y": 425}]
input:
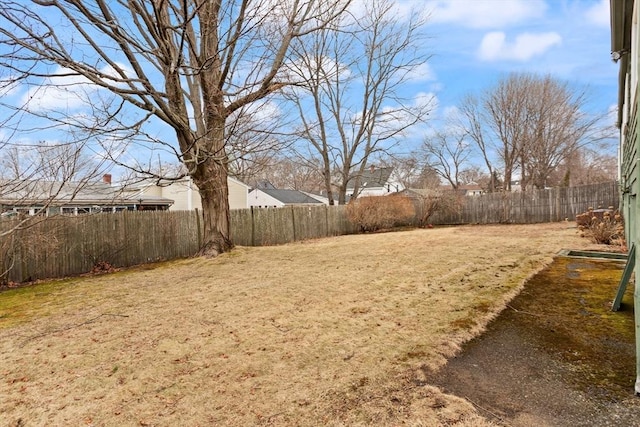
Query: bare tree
[
  {"x": 527, "y": 124},
  {"x": 446, "y": 153},
  {"x": 35, "y": 179},
  {"x": 557, "y": 128},
  {"x": 406, "y": 168},
  {"x": 185, "y": 66},
  {"x": 476, "y": 129},
  {"x": 295, "y": 173},
  {"x": 348, "y": 97},
  {"x": 497, "y": 123},
  {"x": 585, "y": 165},
  {"x": 474, "y": 174},
  {"x": 35, "y": 175},
  {"x": 254, "y": 138}
]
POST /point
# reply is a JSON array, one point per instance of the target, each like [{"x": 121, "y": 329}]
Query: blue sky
[
  {"x": 473, "y": 43},
  {"x": 476, "y": 42}
]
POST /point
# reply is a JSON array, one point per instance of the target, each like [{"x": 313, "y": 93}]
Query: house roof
[
  {"x": 372, "y": 178},
  {"x": 73, "y": 193},
  {"x": 318, "y": 197},
  {"x": 290, "y": 197}
]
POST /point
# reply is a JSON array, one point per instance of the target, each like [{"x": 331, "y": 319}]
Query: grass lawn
[{"x": 337, "y": 331}]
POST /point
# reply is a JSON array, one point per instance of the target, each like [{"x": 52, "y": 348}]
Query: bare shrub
[
  {"x": 603, "y": 226},
  {"x": 447, "y": 202},
  {"x": 380, "y": 212}
]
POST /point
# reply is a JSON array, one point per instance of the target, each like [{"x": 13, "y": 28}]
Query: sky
[
  {"x": 476, "y": 42},
  {"x": 472, "y": 44}
]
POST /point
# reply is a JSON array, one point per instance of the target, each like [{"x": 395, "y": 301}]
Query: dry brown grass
[{"x": 339, "y": 331}]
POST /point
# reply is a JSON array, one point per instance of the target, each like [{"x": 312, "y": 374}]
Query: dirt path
[{"x": 556, "y": 356}]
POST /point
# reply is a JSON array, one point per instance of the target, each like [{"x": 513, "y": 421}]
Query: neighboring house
[
  {"x": 375, "y": 182},
  {"x": 322, "y": 199},
  {"x": 274, "y": 198},
  {"x": 187, "y": 197},
  {"x": 471, "y": 190},
  {"x": 73, "y": 198},
  {"x": 625, "y": 50}
]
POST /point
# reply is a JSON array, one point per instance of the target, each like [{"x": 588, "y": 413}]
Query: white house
[
  {"x": 185, "y": 194},
  {"x": 472, "y": 189},
  {"x": 375, "y": 182}
]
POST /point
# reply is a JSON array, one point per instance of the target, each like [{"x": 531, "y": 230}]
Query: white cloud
[
  {"x": 422, "y": 73},
  {"x": 401, "y": 9},
  {"x": 494, "y": 46},
  {"x": 65, "y": 90},
  {"x": 111, "y": 72},
  {"x": 485, "y": 13},
  {"x": 424, "y": 99},
  {"x": 63, "y": 93},
  {"x": 452, "y": 113},
  {"x": 263, "y": 111},
  {"x": 9, "y": 86},
  {"x": 598, "y": 14}
]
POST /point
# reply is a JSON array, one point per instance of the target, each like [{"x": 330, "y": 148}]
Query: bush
[
  {"x": 604, "y": 226},
  {"x": 446, "y": 202},
  {"x": 376, "y": 213}
]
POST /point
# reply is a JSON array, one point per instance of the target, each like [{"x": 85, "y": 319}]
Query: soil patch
[{"x": 557, "y": 355}]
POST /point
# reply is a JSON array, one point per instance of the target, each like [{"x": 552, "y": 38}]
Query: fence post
[
  {"x": 326, "y": 219},
  {"x": 293, "y": 222},
  {"x": 253, "y": 228},
  {"x": 198, "y": 232}
]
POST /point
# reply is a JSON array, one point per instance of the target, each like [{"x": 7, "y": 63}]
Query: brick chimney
[{"x": 106, "y": 178}]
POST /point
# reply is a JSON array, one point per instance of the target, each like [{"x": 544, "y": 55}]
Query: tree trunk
[
  {"x": 342, "y": 194},
  {"x": 210, "y": 176},
  {"x": 326, "y": 175},
  {"x": 214, "y": 193}
]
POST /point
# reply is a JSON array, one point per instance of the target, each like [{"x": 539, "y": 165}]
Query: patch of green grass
[{"x": 37, "y": 300}]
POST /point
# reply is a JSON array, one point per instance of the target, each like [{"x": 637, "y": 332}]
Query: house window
[{"x": 25, "y": 211}]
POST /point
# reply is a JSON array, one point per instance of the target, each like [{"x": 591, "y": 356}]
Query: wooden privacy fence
[
  {"x": 65, "y": 246},
  {"x": 264, "y": 227},
  {"x": 530, "y": 207},
  {"x": 70, "y": 245}
]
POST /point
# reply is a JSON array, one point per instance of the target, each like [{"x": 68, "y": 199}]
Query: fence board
[
  {"x": 272, "y": 226},
  {"x": 309, "y": 222},
  {"x": 242, "y": 227}
]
